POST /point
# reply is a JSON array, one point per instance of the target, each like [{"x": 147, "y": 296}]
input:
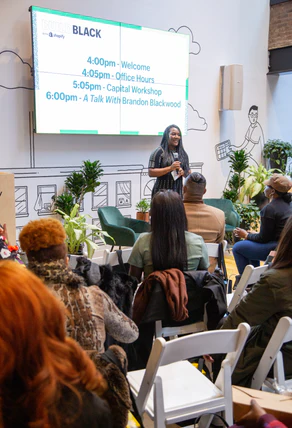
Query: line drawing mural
[
  {"x": 198, "y": 123},
  {"x": 123, "y": 194},
  {"x": 254, "y": 136},
  {"x": 21, "y": 201},
  {"x": 44, "y": 202},
  {"x": 24, "y": 63},
  {"x": 195, "y": 47},
  {"x": 100, "y": 197}
]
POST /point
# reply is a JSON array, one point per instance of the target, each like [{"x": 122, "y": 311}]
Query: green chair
[
  {"x": 232, "y": 219},
  {"x": 124, "y": 230}
]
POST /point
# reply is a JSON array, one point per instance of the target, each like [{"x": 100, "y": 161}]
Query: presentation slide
[{"x": 94, "y": 76}]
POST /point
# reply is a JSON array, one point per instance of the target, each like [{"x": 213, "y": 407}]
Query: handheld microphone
[{"x": 175, "y": 157}]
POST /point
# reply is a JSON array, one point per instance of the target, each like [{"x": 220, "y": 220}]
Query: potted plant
[
  {"x": 143, "y": 207},
  {"x": 77, "y": 184},
  {"x": 249, "y": 214},
  {"x": 253, "y": 186},
  {"x": 277, "y": 152},
  {"x": 80, "y": 233},
  {"x": 238, "y": 163}
]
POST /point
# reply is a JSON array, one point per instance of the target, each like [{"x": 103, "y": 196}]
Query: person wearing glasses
[
  {"x": 257, "y": 246},
  {"x": 169, "y": 163},
  {"x": 254, "y": 134}
]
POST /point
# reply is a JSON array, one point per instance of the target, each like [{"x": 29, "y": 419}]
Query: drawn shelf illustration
[
  {"x": 21, "y": 201},
  {"x": 43, "y": 205},
  {"x": 123, "y": 194},
  {"x": 129, "y": 182},
  {"x": 100, "y": 197}
]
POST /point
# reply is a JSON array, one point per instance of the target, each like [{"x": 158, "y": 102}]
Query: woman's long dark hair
[
  {"x": 283, "y": 258},
  {"x": 167, "y": 158},
  {"x": 168, "y": 225}
]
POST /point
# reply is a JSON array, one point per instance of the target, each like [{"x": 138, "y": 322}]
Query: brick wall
[{"x": 280, "y": 33}]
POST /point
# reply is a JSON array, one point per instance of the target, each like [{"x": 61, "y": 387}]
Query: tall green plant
[
  {"x": 84, "y": 181},
  {"x": 77, "y": 184},
  {"x": 238, "y": 161},
  {"x": 64, "y": 202}
]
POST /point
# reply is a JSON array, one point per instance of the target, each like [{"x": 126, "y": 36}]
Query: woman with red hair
[{"x": 46, "y": 379}]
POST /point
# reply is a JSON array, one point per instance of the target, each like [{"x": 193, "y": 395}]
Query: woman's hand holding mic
[{"x": 175, "y": 165}]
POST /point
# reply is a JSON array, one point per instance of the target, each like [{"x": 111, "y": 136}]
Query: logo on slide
[
  {"x": 50, "y": 34},
  {"x": 89, "y": 32}
]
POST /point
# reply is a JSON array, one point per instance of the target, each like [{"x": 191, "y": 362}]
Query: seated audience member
[
  {"x": 92, "y": 312},
  {"x": 4, "y": 233},
  {"x": 258, "y": 418},
  {"x": 169, "y": 244},
  {"x": 46, "y": 379},
  {"x": 268, "y": 301},
  {"x": 204, "y": 220},
  {"x": 257, "y": 246},
  {"x": 7, "y": 251}
]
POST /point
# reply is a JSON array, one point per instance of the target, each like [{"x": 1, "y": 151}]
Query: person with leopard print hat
[{"x": 91, "y": 312}]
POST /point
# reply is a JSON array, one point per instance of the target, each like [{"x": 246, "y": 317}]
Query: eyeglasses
[{"x": 253, "y": 115}]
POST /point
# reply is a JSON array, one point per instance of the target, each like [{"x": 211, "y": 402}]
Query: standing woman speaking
[{"x": 169, "y": 162}]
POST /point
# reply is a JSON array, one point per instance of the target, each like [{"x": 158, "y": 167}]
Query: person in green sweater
[
  {"x": 169, "y": 244},
  {"x": 269, "y": 300}
]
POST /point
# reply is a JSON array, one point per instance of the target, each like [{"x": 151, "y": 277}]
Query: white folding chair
[
  {"x": 250, "y": 276},
  {"x": 273, "y": 356},
  {"x": 213, "y": 252},
  {"x": 111, "y": 258},
  {"x": 98, "y": 260},
  {"x": 172, "y": 390},
  {"x": 173, "y": 332},
  {"x": 214, "y": 248}
]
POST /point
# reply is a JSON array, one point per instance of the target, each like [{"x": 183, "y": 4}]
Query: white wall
[
  {"x": 279, "y": 96},
  {"x": 279, "y": 107},
  {"x": 224, "y": 32}
]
